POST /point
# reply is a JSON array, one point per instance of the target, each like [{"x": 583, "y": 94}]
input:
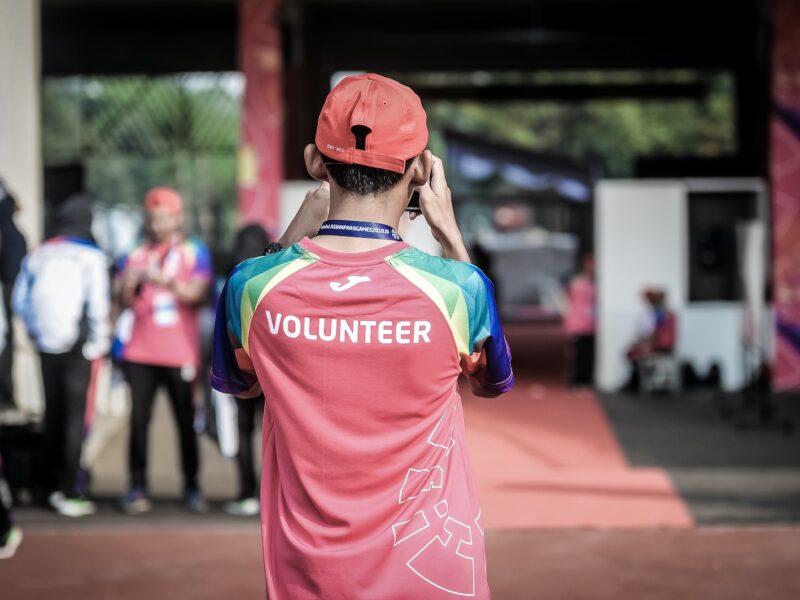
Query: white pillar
[
  {"x": 20, "y": 140},
  {"x": 21, "y": 158},
  {"x": 640, "y": 241}
]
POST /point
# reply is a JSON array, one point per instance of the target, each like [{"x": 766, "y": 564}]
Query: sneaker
[
  {"x": 56, "y": 499},
  {"x": 72, "y": 507},
  {"x": 195, "y": 502},
  {"x": 135, "y": 502},
  {"x": 9, "y": 545},
  {"x": 77, "y": 507},
  {"x": 244, "y": 507}
]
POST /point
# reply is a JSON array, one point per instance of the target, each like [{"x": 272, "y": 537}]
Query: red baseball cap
[
  {"x": 391, "y": 111},
  {"x": 164, "y": 198}
]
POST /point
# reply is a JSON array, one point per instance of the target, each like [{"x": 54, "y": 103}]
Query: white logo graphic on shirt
[
  {"x": 448, "y": 545},
  {"x": 443, "y": 436},
  {"x": 406, "y": 529},
  {"x": 449, "y": 541},
  {"x": 452, "y": 550},
  {"x": 420, "y": 480},
  {"x": 352, "y": 280}
]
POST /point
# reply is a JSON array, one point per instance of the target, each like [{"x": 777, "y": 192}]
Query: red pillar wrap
[
  {"x": 785, "y": 175},
  {"x": 261, "y": 145}
]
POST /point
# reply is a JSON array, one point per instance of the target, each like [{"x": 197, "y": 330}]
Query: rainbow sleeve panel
[
  {"x": 465, "y": 296},
  {"x": 232, "y": 370},
  {"x": 199, "y": 257}
]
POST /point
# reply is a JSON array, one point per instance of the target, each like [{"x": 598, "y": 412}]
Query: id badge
[{"x": 165, "y": 309}]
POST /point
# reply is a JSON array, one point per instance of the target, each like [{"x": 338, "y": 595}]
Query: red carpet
[{"x": 547, "y": 457}]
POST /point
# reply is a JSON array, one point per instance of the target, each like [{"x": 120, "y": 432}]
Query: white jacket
[{"x": 61, "y": 282}]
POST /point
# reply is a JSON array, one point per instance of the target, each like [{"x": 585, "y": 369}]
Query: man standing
[
  {"x": 358, "y": 341},
  {"x": 62, "y": 294},
  {"x": 580, "y": 324},
  {"x": 12, "y": 250},
  {"x": 164, "y": 281},
  {"x": 10, "y": 535}
]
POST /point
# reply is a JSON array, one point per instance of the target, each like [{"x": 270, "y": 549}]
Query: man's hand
[
  {"x": 155, "y": 277},
  {"x": 192, "y": 292},
  {"x": 436, "y": 204},
  {"x": 132, "y": 277},
  {"x": 129, "y": 282},
  {"x": 311, "y": 215}
]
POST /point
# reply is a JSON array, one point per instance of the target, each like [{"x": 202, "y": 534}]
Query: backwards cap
[
  {"x": 391, "y": 113},
  {"x": 164, "y": 198}
]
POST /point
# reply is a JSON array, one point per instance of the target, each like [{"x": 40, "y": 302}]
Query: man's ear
[
  {"x": 315, "y": 163},
  {"x": 420, "y": 169}
]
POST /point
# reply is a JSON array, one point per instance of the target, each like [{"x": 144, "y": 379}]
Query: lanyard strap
[{"x": 363, "y": 229}]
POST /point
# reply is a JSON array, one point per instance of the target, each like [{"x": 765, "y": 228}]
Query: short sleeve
[
  {"x": 121, "y": 263},
  {"x": 489, "y": 365},
  {"x": 232, "y": 370},
  {"x": 202, "y": 261}
]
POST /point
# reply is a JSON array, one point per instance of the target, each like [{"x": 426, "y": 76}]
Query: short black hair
[{"x": 362, "y": 180}]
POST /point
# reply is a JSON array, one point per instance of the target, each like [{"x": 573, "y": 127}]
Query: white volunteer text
[{"x": 352, "y": 331}]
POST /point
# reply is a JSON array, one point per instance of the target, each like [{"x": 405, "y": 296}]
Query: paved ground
[
  {"x": 707, "y": 564},
  {"x": 224, "y": 561},
  {"x": 725, "y": 475}
]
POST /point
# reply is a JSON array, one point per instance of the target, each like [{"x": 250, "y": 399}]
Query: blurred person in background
[
  {"x": 62, "y": 294},
  {"x": 580, "y": 324},
  {"x": 251, "y": 241},
  {"x": 12, "y": 251},
  {"x": 483, "y": 259},
  {"x": 10, "y": 535},
  {"x": 657, "y": 334},
  {"x": 164, "y": 281}
]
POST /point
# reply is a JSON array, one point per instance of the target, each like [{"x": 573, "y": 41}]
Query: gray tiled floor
[{"x": 727, "y": 476}]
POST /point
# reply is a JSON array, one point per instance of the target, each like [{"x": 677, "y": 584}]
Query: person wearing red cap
[
  {"x": 164, "y": 281},
  {"x": 358, "y": 341}
]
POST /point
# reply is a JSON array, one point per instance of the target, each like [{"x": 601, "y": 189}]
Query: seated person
[{"x": 658, "y": 334}]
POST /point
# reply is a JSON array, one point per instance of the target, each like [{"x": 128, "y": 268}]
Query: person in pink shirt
[
  {"x": 580, "y": 325},
  {"x": 357, "y": 341},
  {"x": 164, "y": 281},
  {"x": 657, "y": 335}
]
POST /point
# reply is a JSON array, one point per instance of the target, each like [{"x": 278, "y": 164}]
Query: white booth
[{"x": 643, "y": 231}]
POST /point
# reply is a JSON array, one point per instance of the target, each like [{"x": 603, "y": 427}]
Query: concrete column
[
  {"x": 21, "y": 159},
  {"x": 20, "y": 139}
]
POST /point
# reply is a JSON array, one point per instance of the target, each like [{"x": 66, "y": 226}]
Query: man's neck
[{"x": 381, "y": 209}]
